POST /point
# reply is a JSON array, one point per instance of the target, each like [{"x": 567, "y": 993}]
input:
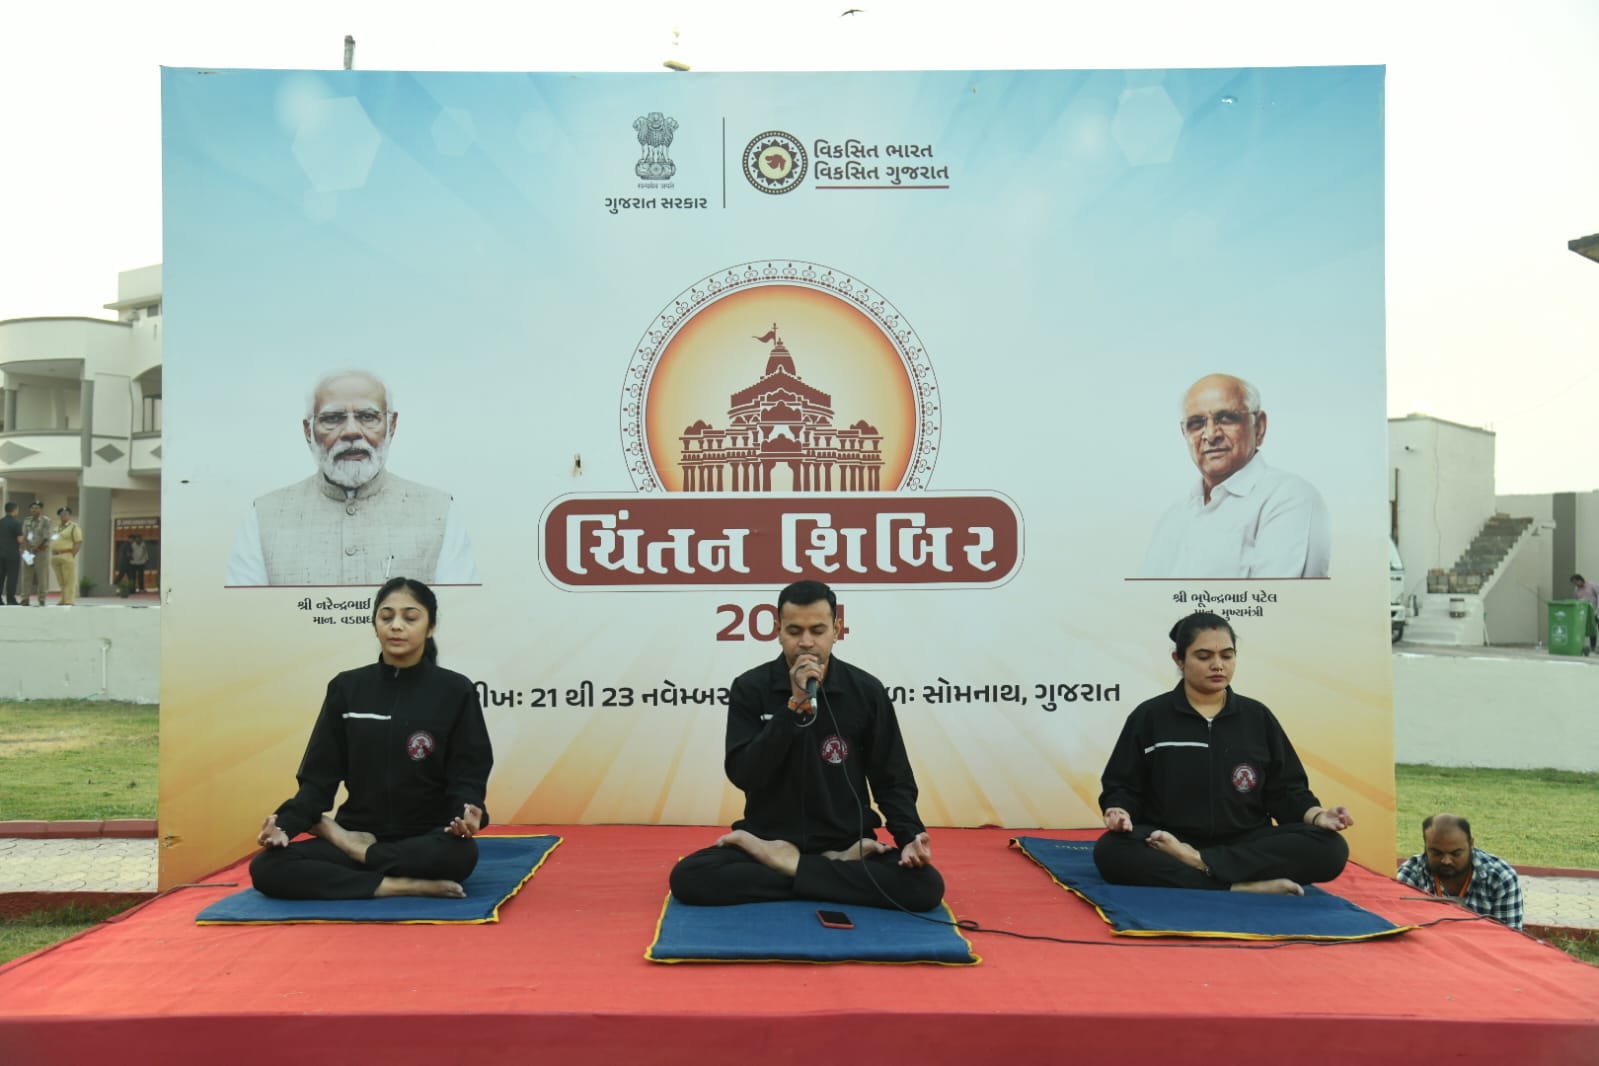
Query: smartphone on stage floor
[{"x": 835, "y": 919}]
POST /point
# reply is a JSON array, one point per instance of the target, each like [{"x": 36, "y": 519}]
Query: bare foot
[
  {"x": 349, "y": 841},
  {"x": 1186, "y": 854},
  {"x": 416, "y": 886},
  {"x": 1277, "y": 886},
  {"x": 858, "y": 850},
  {"x": 779, "y": 855}
]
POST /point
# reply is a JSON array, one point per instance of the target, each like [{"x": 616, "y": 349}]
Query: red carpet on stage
[{"x": 562, "y": 978}]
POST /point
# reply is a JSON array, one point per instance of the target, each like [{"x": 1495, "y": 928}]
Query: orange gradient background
[{"x": 836, "y": 348}]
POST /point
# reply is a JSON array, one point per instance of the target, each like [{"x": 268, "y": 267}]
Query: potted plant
[{"x": 85, "y": 585}]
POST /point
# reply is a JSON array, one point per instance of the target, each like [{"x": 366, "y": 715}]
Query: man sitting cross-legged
[{"x": 804, "y": 768}]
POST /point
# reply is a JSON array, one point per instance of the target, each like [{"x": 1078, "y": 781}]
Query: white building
[
  {"x": 1445, "y": 512},
  {"x": 80, "y": 421}
]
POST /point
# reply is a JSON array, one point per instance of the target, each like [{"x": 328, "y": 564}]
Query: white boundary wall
[
  {"x": 1465, "y": 710},
  {"x": 82, "y": 652}
]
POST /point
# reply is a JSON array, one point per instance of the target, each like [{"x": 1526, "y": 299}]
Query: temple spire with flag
[{"x": 781, "y": 422}]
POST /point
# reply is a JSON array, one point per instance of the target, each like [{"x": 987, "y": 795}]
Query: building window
[
  {"x": 153, "y": 311},
  {"x": 152, "y": 415}
]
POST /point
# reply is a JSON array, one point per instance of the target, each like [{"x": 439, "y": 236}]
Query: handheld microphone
[{"x": 810, "y": 692}]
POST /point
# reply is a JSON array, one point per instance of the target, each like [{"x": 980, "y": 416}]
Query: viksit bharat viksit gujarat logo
[
  {"x": 780, "y": 418},
  {"x": 775, "y": 162}
]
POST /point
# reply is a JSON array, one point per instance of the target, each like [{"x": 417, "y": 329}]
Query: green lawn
[
  {"x": 18, "y": 936},
  {"x": 72, "y": 759},
  {"x": 69, "y": 759},
  {"x": 1586, "y": 950},
  {"x": 1527, "y": 817}
]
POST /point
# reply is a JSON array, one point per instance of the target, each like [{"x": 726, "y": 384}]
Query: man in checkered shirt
[{"x": 1455, "y": 868}]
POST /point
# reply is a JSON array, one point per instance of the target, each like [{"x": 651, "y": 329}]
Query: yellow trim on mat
[
  {"x": 976, "y": 958},
  {"x": 494, "y": 915},
  {"x": 1195, "y": 934}
]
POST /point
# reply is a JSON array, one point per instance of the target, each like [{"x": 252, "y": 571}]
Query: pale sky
[{"x": 1491, "y": 111}]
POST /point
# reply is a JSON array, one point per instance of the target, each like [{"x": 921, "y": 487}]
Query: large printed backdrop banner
[{"x": 656, "y": 345}]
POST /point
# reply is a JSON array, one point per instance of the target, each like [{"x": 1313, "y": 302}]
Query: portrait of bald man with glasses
[
  {"x": 1244, "y": 518},
  {"x": 352, "y": 522}
]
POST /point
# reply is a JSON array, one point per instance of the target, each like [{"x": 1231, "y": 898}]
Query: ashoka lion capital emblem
[{"x": 655, "y": 141}]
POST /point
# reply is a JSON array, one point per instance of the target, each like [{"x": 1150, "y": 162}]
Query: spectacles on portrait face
[
  {"x": 367, "y": 418},
  {"x": 1223, "y": 420}
]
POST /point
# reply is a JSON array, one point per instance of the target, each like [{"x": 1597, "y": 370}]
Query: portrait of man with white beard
[{"x": 352, "y": 522}]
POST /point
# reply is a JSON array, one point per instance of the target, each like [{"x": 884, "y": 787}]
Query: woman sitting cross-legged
[
  {"x": 407, "y": 739},
  {"x": 1197, "y": 779}
]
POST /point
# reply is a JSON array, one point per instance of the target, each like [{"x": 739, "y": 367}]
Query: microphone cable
[{"x": 860, "y": 812}]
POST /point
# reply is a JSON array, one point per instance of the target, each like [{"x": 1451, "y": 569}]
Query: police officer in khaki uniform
[
  {"x": 65, "y": 545},
  {"x": 36, "y": 540}
]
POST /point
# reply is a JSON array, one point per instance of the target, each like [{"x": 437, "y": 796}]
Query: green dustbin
[{"x": 1568, "y": 626}]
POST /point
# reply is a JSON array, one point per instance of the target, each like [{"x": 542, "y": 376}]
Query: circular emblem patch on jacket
[
  {"x": 834, "y": 749},
  {"x": 1245, "y": 778},
  {"x": 421, "y": 745}
]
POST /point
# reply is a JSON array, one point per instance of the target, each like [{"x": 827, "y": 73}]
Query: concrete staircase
[
  {"x": 1451, "y": 612},
  {"x": 1445, "y": 618}
]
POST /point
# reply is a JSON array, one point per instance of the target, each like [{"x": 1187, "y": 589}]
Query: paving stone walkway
[
  {"x": 98, "y": 865},
  {"x": 1561, "y": 902}
]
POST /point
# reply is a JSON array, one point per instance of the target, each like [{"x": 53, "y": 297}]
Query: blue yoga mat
[
  {"x": 1134, "y": 910},
  {"x": 504, "y": 865},
  {"x": 788, "y": 931}
]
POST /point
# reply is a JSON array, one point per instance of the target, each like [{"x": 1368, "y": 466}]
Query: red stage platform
[{"x": 562, "y": 978}]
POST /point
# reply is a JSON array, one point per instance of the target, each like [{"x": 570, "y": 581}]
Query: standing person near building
[
  {"x": 36, "y": 541},
  {"x": 10, "y": 554},
  {"x": 65, "y": 544},
  {"x": 1455, "y": 868},
  {"x": 1590, "y": 595},
  {"x": 138, "y": 559}
]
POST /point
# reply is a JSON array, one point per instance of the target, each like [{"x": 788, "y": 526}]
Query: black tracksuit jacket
[
  {"x": 807, "y": 784},
  {"x": 410, "y": 745},
  {"x": 1205, "y": 780}
]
